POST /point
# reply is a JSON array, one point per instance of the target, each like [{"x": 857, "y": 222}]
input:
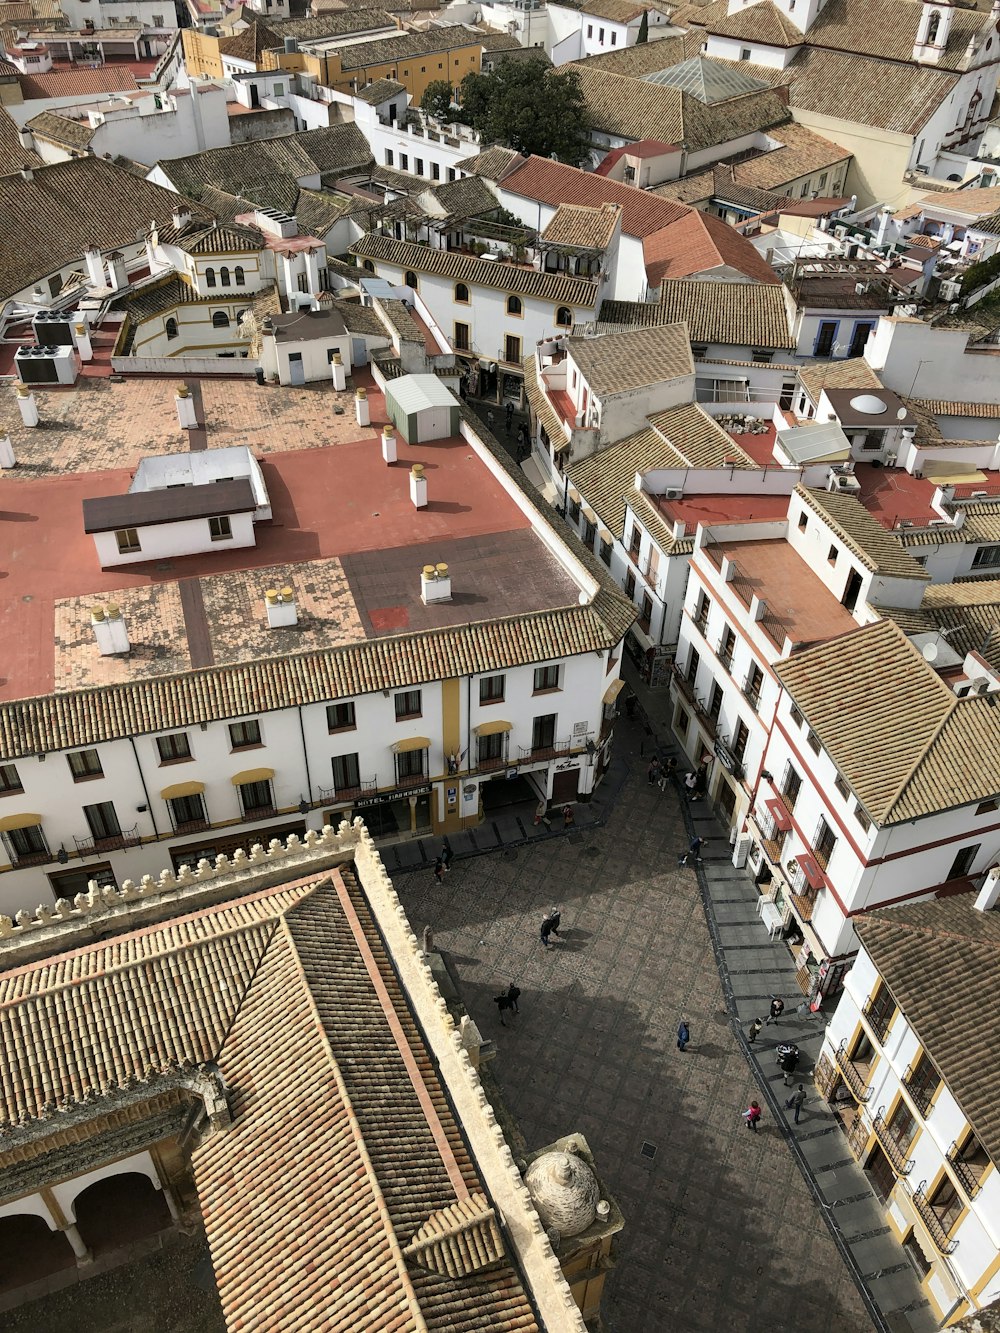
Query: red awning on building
[
  {"x": 810, "y": 868},
  {"x": 782, "y": 819}
]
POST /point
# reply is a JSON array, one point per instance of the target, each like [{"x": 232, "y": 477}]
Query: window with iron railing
[
  {"x": 702, "y": 611},
  {"x": 902, "y": 1126},
  {"x": 715, "y": 702},
  {"x": 922, "y": 1082},
  {"x": 752, "y": 686},
  {"x": 740, "y": 738},
  {"x": 694, "y": 661},
  {"x": 824, "y": 842},
  {"x": 346, "y": 772},
  {"x": 727, "y": 646},
  {"x": 791, "y": 785},
  {"x": 970, "y": 1160},
  {"x": 880, "y": 1010}
]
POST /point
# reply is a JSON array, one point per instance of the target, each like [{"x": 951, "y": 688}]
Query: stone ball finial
[{"x": 564, "y": 1191}]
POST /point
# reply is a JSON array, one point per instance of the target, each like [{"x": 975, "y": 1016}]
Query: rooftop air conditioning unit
[
  {"x": 47, "y": 365},
  {"x": 672, "y": 495},
  {"x": 53, "y": 329},
  {"x": 950, "y": 290},
  {"x": 840, "y": 233}
]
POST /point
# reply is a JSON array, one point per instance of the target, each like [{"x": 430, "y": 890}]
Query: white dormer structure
[
  {"x": 933, "y": 30},
  {"x": 801, "y": 13}
]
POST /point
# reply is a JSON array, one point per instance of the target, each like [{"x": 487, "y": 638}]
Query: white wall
[
  {"x": 912, "y": 358},
  {"x": 164, "y": 541}
]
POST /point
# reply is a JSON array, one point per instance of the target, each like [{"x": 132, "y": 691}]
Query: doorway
[
  {"x": 852, "y": 592},
  {"x": 296, "y": 369},
  {"x": 880, "y": 1172},
  {"x": 824, "y": 338}
]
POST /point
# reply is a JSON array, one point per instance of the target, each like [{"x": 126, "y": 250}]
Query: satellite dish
[
  {"x": 901, "y": 414},
  {"x": 930, "y": 652}
]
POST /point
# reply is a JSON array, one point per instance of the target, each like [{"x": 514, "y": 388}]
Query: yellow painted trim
[
  {"x": 182, "y": 789},
  {"x": 613, "y": 690},
  {"x": 412, "y": 743},
  {"x": 989, "y": 1274},
  {"x": 11, "y": 822},
  {"x": 451, "y": 716},
  {"x": 252, "y": 775},
  {"x": 492, "y": 728}
]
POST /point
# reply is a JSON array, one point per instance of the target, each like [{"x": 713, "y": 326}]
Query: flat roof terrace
[{"x": 344, "y": 535}]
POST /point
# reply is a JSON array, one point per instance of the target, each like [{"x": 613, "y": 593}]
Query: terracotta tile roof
[
  {"x": 981, "y": 527},
  {"x": 248, "y": 44},
  {"x": 554, "y": 287},
  {"x": 802, "y": 153},
  {"x": 697, "y": 188},
  {"x": 225, "y": 239},
  {"x": 854, "y": 373},
  {"x": 408, "y": 45},
  {"x": 335, "y": 23},
  {"x": 701, "y": 243},
  {"x": 77, "y": 82},
  {"x": 941, "y": 963},
  {"x": 555, "y": 183},
  {"x": 647, "y": 57},
  {"x": 763, "y": 22},
  {"x": 13, "y": 156},
  {"x": 50, "y": 125},
  {"x": 970, "y": 612},
  {"x": 379, "y": 91},
  {"x": 949, "y": 407},
  {"x": 909, "y": 749},
  {"x": 895, "y": 97},
  {"x": 582, "y": 226},
  {"x": 754, "y": 314},
  {"x": 620, "y": 362},
  {"x": 71, "y": 205},
  {"x": 888, "y": 29},
  {"x": 491, "y": 163},
  {"x": 465, "y": 197},
  {"x": 615, "y": 11},
  {"x": 878, "y": 550}
]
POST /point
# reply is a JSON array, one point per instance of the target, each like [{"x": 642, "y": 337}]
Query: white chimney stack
[
  {"x": 361, "y": 409},
  {"x": 95, "y": 267},
  {"x": 339, "y": 373},
  {"x": 281, "y": 610},
  {"x": 990, "y": 891},
  {"x": 26, "y": 404},
  {"x": 83, "y": 344},
  {"x": 7, "y": 459},
  {"x": 109, "y": 630},
  {"x": 680, "y": 528},
  {"x": 117, "y": 277},
  {"x": 418, "y": 486},
  {"x": 389, "y": 447},
  {"x": 186, "y": 414},
  {"x": 181, "y": 217},
  {"x": 435, "y": 584}
]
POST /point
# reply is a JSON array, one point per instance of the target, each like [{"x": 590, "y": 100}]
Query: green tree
[
  {"x": 643, "y": 28},
  {"x": 527, "y": 105},
  {"x": 436, "y": 100}
]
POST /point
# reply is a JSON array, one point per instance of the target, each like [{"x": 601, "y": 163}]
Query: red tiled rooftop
[
  {"x": 695, "y": 509},
  {"x": 759, "y": 447},
  {"x": 891, "y": 495}
]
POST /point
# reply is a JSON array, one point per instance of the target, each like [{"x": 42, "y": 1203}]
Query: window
[
  {"x": 753, "y": 684},
  {"x": 630, "y": 582},
  {"x": 340, "y": 717},
  {"x": 220, "y": 320},
  {"x": 574, "y": 510},
  {"x": 174, "y": 747},
  {"x": 435, "y": 171},
  {"x": 85, "y": 764},
  {"x": 715, "y": 701},
  {"x": 744, "y": 53},
  {"x": 681, "y": 722},
  {"x": 462, "y": 337},
  {"x": 605, "y": 552},
  {"x": 635, "y": 541},
  {"x": 241, "y": 277},
  {"x": 831, "y": 555},
  {"x": 389, "y": 159},
  {"x": 418, "y": 166},
  {"x": 564, "y": 317},
  {"x": 410, "y": 279},
  {"x": 187, "y": 813},
  {"x": 26, "y": 846},
  {"x": 512, "y": 349},
  {"x": 543, "y": 732},
  {"x": 461, "y": 293},
  {"x": 987, "y": 807},
  {"x": 824, "y": 843},
  {"x": 916, "y": 1256},
  {"x": 128, "y": 540},
  {"x": 880, "y": 1010},
  {"x": 346, "y": 774},
  {"x": 740, "y": 739},
  {"x": 761, "y": 357},
  {"x": 791, "y": 785},
  {"x": 590, "y": 30},
  {"x": 171, "y": 327},
  {"x": 589, "y": 533},
  {"x": 491, "y": 689},
  {"x": 244, "y": 735},
  {"x": 614, "y": 38},
  {"x": 945, "y": 1201},
  {"x": 902, "y": 1126},
  {"x": 404, "y": 162},
  {"x": 699, "y": 350},
  {"x": 546, "y": 678},
  {"x": 210, "y": 277},
  {"x": 407, "y": 704},
  {"x": 220, "y": 529},
  {"x": 645, "y": 613},
  {"x": 922, "y": 1081},
  {"x": 411, "y": 764},
  {"x": 514, "y": 305},
  {"x": 987, "y": 557},
  {"x": 702, "y": 610},
  {"x": 368, "y": 266},
  {"x": 963, "y": 862},
  {"x": 727, "y": 646},
  {"x": 492, "y": 749},
  {"x": 841, "y": 786},
  {"x": 694, "y": 661},
  {"x": 256, "y": 799},
  {"x": 9, "y": 780},
  {"x": 812, "y": 740},
  {"x": 796, "y": 716},
  {"x": 224, "y": 276},
  {"x": 861, "y": 817},
  {"x": 102, "y": 820}
]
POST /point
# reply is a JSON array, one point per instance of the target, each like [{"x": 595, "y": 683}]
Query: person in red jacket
[{"x": 752, "y": 1116}]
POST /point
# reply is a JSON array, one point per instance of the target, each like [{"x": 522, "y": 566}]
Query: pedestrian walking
[
  {"x": 545, "y": 930},
  {"x": 446, "y": 853},
  {"x": 504, "y": 1004},
  {"x": 690, "y": 786},
  {"x": 701, "y": 781},
  {"x": 514, "y": 994},
  {"x": 796, "y": 1100},
  {"x": 439, "y": 870},
  {"x": 788, "y": 1059},
  {"x": 777, "y": 1009},
  {"x": 508, "y": 416},
  {"x": 490, "y": 418},
  {"x": 555, "y": 916},
  {"x": 694, "y": 850},
  {"x": 752, "y": 1116},
  {"x": 668, "y": 773},
  {"x": 683, "y": 1035},
  {"x": 653, "y": 772},
  {"x": 542, "y": 814},
  {"x": 567, "y": 814},
  {"x": 755, "y": 1028}
]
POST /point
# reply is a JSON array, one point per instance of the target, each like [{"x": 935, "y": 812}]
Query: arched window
[
  {"x": 220, "y": 320},
  {"x": 410, "y": 278},
  {"x": 513, "y": 305},
  {"x": 461, "y": 293},
  {"x": 210, "y": 277},
  {"x": 241, "y": 280},
  {"x": 171, "y": 328},
  {"x": 224, "y": 276},
  {"x": 564, "y": 317},
  {"x": 368, "y": 266},
  {"x": 932, "y": 28}
]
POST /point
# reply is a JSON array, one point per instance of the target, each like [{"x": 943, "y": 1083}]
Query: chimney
[
  {"x": 435, "y": 584},
  {"x": 180, "y": 218},
  {"x": 281, "y": 610},
  {"x": 27, "y": 139},
  {"x": 117, "y": 277},
  {"x": 361, "y": 409},
  {"x": 186, "y": 414},
  {"x": 418, "y": 486},
  {"x": 27, "y": 174},
  {"x": 109, "y": 630},
  {"x": 758, "y": 607},
  {"x": 26, "y": 404},
  {"x": 95, "y": 266},
  {"x": 990, "y": 891},
  {"x": 7, "y": 459},
  {"x": 389, "y": 450},
  {"x": 339, "y": 373},
  {"x": 83, "y": 346},
  {"x": 680, "y": 528}
]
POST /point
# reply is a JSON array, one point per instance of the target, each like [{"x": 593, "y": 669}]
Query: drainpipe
[
  {"x": 142, "y": 779},
  {"x": 305, "y": 753}
]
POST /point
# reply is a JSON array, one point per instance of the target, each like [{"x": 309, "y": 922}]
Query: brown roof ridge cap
[{"x": 371, "y": 1175}]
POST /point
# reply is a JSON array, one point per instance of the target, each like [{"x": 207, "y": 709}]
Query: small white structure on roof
[
  {"x": 818, "y": 442},
  {"x": 421, "y": 408}
]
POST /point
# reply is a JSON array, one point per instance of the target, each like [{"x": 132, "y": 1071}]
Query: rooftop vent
[
  {"x": 869, "y": 405},
  {"x": 109, "y": 630},
  {"x": 418, "y": 486},
  {"x": 281, "y": 609},
  {"x": 435, "y": 584}
]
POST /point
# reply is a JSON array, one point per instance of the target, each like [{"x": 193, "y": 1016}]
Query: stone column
[{"x": 72, "y": 1234}]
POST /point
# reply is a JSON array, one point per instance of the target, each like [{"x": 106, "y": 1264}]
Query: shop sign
[{"x": 387, "y": 797}]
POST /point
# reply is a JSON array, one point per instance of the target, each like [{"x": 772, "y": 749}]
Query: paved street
[{"x": 722, "y": 1231}]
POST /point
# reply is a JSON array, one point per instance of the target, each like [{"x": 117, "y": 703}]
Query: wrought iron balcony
[
  {"x": 880, "y": 1017},
  {"x": 251, "y": 813},
  {"x": 896, "y": 1154},
  {"x": 854, "y": 1074},
  {"x": 685, "y": 686},
  {"x": 931, "y": 1221},
  {"x": 192, "y": 825},
  {"x": 920, "y": 1089},
  {"x": 751, "y": 693},
  {"x": 491, "y": 763},
  {"x": 333, "y": 795},
  {"x": 112, "y": 842},
  {"x": 966, "y": 1171},
  {"x": 406, "y": 780},
  {"x": 556, "y": 750}
]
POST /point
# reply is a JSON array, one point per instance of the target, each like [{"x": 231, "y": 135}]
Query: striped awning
[
  {"x": 252, "y": 775},
  {"x": 589, "y": 514},
  {"x": 10, "y": 822},
  {"x": 606, "y": 535},
  {"x": 613, "y": 690},
  {"x": 412, "y": 743},
  {"x": 182, "y": 789},
  {"x": 492, "y": 728},
  {"x": 573, "y": 494}
]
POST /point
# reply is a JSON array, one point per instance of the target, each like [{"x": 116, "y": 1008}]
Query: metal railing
[
  {"x": 931, "y": 1221},
  {"x": 896, "y": 1154},
  {"x": 921, "y": 1094},
  {"x": 851, "y": 1073},
  {"x": 365, "y": 787},
  {"x": 111, "y": 842},
  {"x": 880, "y": 1020},
  {"x": 751, "y": 693},
  {"x": 554, "y": 751},
  {"x": 33, "y": 858},
  {"x": 964, "y": 1170},
  {"x": 191, "y": 825},
  {"x": 250, "y": 813}
]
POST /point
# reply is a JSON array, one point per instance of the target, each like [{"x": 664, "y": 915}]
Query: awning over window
[
  {"x": 182, "y": 789},
  {"x": 810, "y": 868},
  {"x": 613, "y": 690},
  {"x": 606, "y": 535},
  {"x": 589, "y": 514},
  {"x": 573, "y": 494},
  {"x": 252, "y": 775},
  {"x": 413, "y": 743},
  {"x": 10, "y": 822},
  {"x": 782, "y": 819},
  {"x": 491, "y": 728}
]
